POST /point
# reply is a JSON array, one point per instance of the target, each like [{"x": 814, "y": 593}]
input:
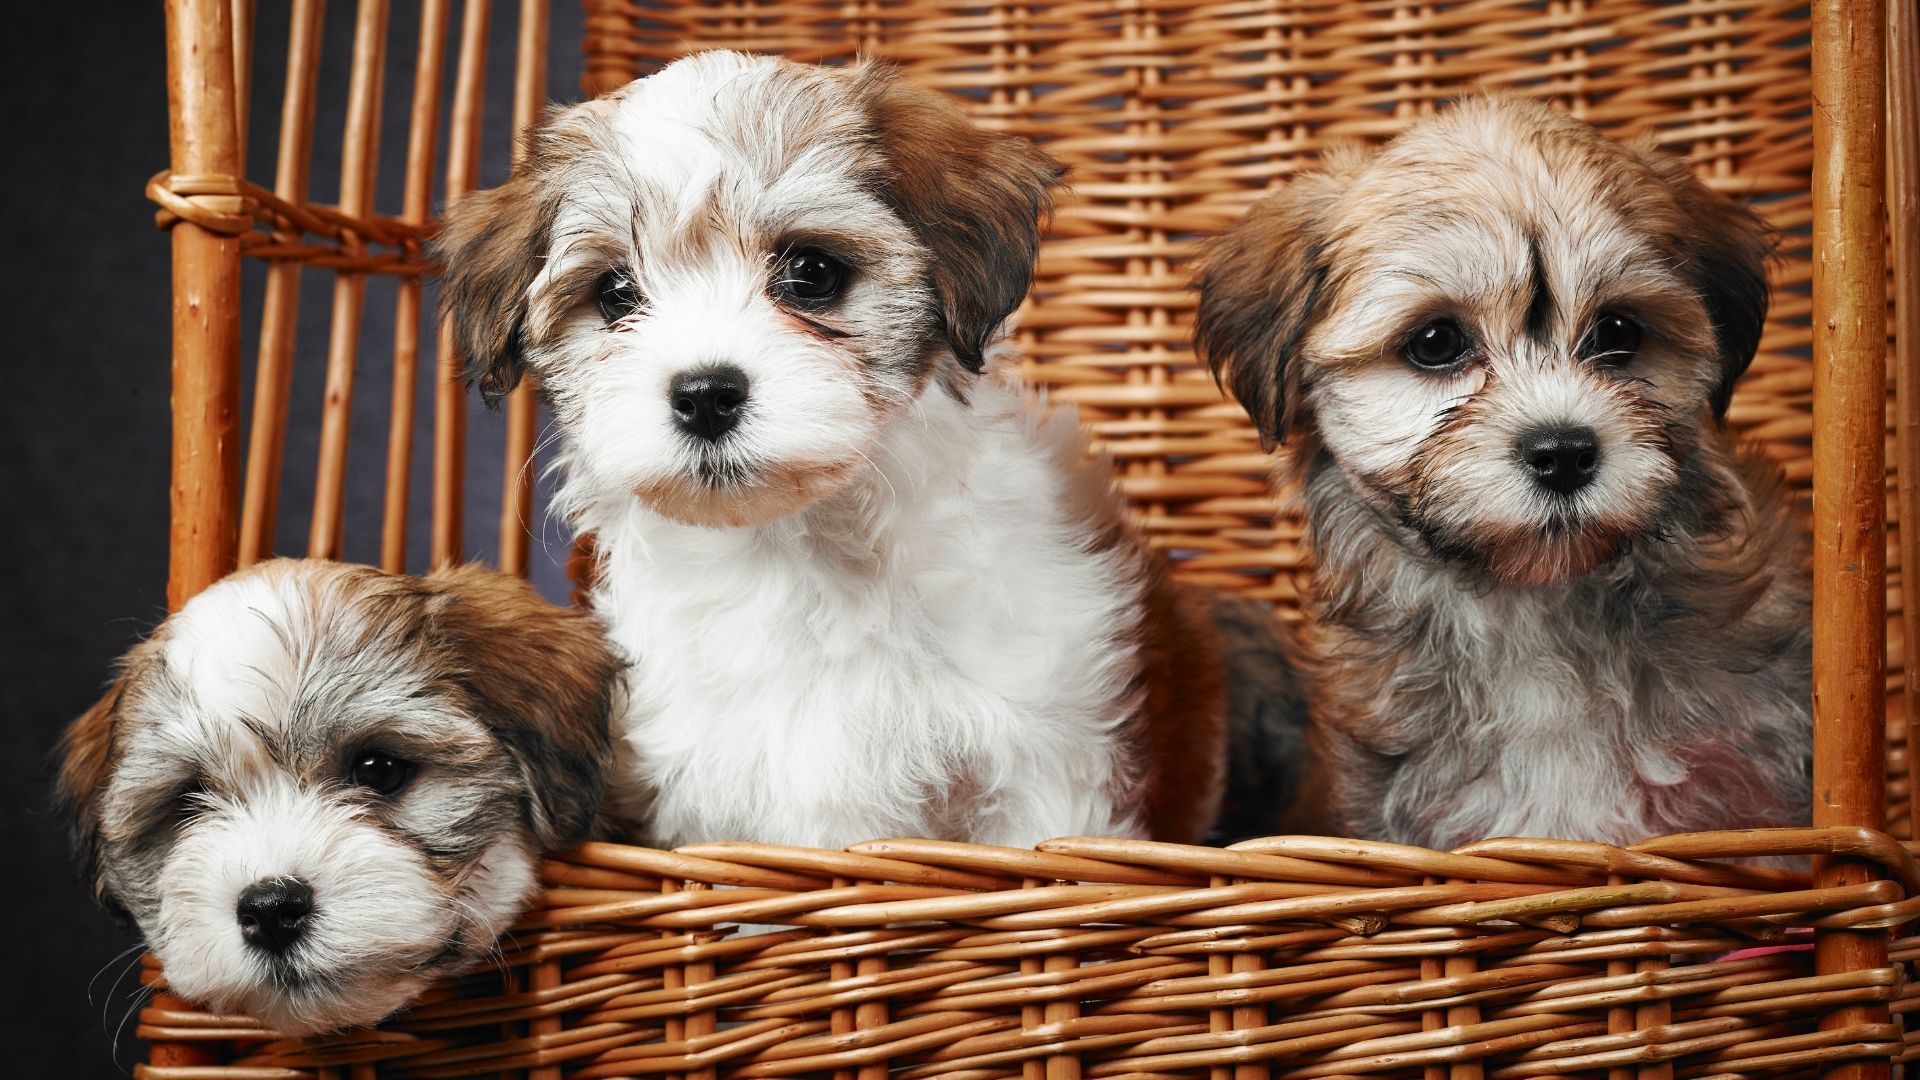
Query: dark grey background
[{"x": 84, "y": 280}]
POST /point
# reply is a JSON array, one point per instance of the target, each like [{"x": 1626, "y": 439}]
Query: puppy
[
  {"x": 318, "y": 787},
  {"x": 1552, "y": 598},
  {"x": 869, "y": 588}
]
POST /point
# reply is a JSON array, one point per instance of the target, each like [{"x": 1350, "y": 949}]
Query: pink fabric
[
  {"x": 1764, "y": 950},
  {"x": 1801, "y": 945}
]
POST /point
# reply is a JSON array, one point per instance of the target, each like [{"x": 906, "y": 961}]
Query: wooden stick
[
  {"x": 1903, "y": 212},
  {"x": 450, "y": 390},
  {"x": 202, "y": 538},
  {"x": 242, "y": 27},
  {"x": 1849, "y": 467},
  {"x": 359, "y": 158},
  {"x": 523, "y": 405},
  {"x": 423, "y": 130},
  {"x": 206, "y": 305},
  {"x": 279, "y": 321}
]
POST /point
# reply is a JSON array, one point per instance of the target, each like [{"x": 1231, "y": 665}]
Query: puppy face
[
  {"x": 732, "y": 276},
  {"x": 1504, "y": 327},
  {"x": 317, "y": 788}
]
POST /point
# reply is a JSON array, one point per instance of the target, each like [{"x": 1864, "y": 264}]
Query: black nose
[
  {"x": 707, "y": 402},
  {"x": 1562, "y": 459},
  {"x": 273, "y": 913}
]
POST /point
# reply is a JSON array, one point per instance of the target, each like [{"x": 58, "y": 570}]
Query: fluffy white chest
[{"x": 933, "y": 652}]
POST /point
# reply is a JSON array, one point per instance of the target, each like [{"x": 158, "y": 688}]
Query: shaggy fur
[
  {"x": 1488, "y": 655},
  {"x": 224, "y": 756},
  {"x": 895, "y": 597}
]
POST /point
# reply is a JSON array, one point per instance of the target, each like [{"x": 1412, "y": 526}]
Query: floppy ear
[
  {"x": 543, "y": 679},
  {"x": 86, "y": 762},
  {"x": 489, "y": 248},
  {"x": 1723, "y": 249},
  {"x": 975, "y": 198},
  {"x": 1260, "y": 288}
]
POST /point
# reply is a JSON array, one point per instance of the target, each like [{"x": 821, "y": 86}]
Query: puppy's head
[
  {"x": 732, "y": 276},
  {"x": 1506, "y": 328},
  {"x": 318, "y": 787}
]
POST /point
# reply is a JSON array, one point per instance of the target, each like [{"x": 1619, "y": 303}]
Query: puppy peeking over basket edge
[
  {"x": 1552, "y": 597},
  {"x": 868, "y": 587},
  {"x": 318, "y": 787}
]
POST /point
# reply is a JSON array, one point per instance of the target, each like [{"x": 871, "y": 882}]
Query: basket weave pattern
[{"x": 1289, "y": 957}]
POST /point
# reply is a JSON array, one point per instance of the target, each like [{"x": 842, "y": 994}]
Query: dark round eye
[
  {"x": 809, "y": 276},
  {"x": 379, "y": 771},
  {"x": 1438, "y": 344},
  {"x": 1613, "y": 339},
  {"x": 618, "y": 298}
]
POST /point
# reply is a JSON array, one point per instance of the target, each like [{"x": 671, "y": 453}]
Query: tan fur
[
  {"x": 1178, "y": 738},
  {"x": 778, "y": 489},
  {"x": 1183, "y": 725}
]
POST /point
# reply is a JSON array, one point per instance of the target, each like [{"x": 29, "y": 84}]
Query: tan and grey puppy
[
  {"x": 1552, "y": 596},
  {"x": 319, "y": 787}
]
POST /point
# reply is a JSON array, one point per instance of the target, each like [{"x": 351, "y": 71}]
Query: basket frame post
[
  {"x": 204, "y": 141},
  {"x": 1849, "y": 468}
]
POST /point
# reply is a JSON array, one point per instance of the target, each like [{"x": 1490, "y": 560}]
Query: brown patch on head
[
  {"x": 490, "y": 249},
  {"x": 1261, "y": 285},
  {"x": 87, "y": 752},
  {"x": 492, "y": 244},
  {"x": 974, "y": 197},
  {"x": 542, "y": 678},
  {"x": 1722, "y": 248}
]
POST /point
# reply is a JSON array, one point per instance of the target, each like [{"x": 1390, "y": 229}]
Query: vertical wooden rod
[
  {"x": 206, "y": 305},
  {"x": 545, "y": 975},
  {"x": 450, "y": 388},
  {"x": 423, "y": 131},
  {"x": 358, "y": 160},
  {"x": 1903, "y": 214},
  {"x": 279, "y": 319},
  {"x": 1849, "y": 467},
  {"x": 203, "y": 511},
  {"x": 242, "y": 77},
  {"x": 1464, "y": 1015},
  {"x": 523, "y": 405}
]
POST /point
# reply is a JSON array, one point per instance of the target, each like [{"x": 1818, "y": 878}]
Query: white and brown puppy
[
  {"x": 1552, "y": 598},
  {"x": 318, "y": 787},
  {"x": 868, "y": 590}
]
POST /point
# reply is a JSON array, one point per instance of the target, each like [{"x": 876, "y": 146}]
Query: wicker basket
[{"x": 1291, "y": 956}]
